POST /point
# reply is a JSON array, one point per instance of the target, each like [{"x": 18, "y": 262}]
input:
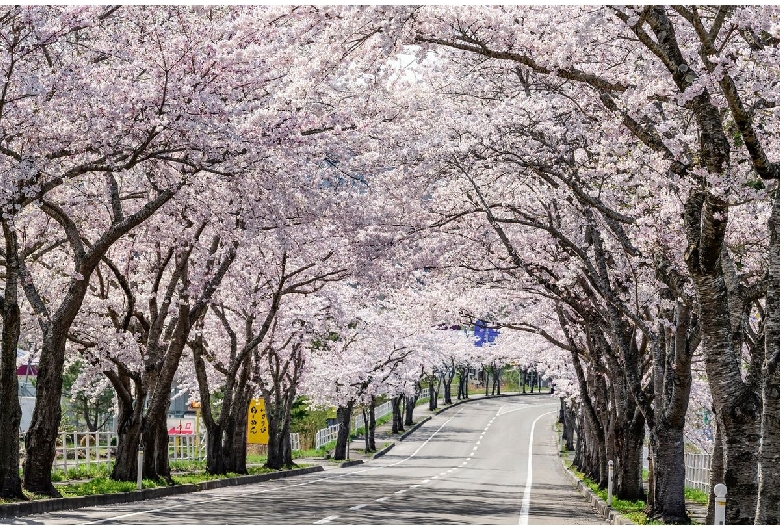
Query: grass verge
[
  {"x": 633, "y": 510},
  {"x": 103, "y": 484},
  {"x": 697, "y": 496}
]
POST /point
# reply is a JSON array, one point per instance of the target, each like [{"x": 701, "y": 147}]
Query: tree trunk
[
  {"x": 737, "y": 405},
  {"x": 569, "y": 422},
  {"x": 431, "y": 396},
  {"x": 344, "y": 416},
  {"x": 579, "y": 447},
  {"x": 128, "y": 428},
  {"x": 235, "y": 439},
  {"x": 155, "y": 439},
  {"x": 365, "y": 430},
  {"x": 41, "y": 439},
  {"x": 411, "y": 401},
  {"x": 372, "y": 425},
  {"x": 275, "y": 460},
  {"x": 447, "y": 390},
  {"x": 672, "y": 381},
  {"x": 277, "y": 412},
  {"x": 215, "y": 461},
  {"x": 668, "y": 457},
  {"x": 398, "y": 423},
  {"x": 10, "y": 409},
  {"x": 629, "y": 472},
  {"x": 768, "y": 509}
]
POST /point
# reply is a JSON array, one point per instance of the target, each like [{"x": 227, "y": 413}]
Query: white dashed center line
[
  {"x": 326, "y": 519},
  {"x": 359, "y": 506}
]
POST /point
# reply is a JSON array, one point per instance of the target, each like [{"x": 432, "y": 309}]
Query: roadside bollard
[
  {"x": 720, "y": 503},
  {"x": 609, "y": 484},
  {"x": 139, "y": 485}
]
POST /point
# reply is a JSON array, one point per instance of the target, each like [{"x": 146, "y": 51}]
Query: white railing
[
  {"x": 326, "y": 435},
  {"x": 382, "y": 410},
  {"x": 295, "y": 441},
  {"x": 697, "y": 471},
  {"x": 87, "y": 448},
  {"x": 379, "y": 412},
  {"x": 186, "y": 447},
  {"x": 90, "y": 448}
]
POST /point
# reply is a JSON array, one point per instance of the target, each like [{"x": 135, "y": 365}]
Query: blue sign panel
[{"x": 483, "y": 335}]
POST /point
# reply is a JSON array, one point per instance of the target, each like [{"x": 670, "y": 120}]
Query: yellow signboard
[{"x": 257, "y": 423}]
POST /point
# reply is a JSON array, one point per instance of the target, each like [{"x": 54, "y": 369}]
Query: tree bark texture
[
  {"x": 344, "y": 416},
  {"x": 411, "y": 401},
  {"x": 737, "y": 405},
  {"x": 768, "y": 508},
  {"x": 10, "y": 409},
  {"x": 372, "y": 425}
]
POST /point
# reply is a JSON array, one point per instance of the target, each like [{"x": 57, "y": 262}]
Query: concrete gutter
[
  {"x": 612, "y": 516},
  {"x": 21, "y": 509}
]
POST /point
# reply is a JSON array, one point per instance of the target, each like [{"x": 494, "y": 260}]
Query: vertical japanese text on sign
[{"x": 257, "y": 423}]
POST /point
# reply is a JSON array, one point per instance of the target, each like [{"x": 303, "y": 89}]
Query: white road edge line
[
  {"x": 101, "y": 521},
  {"x": 526, "y": 506},
  {"x": 425, "y": 442}
]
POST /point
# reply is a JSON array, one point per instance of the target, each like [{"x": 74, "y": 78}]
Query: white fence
[
  {"x": 91, "y": 448},
  {"x": 186, "y": 447},
  {"x": 697, "y": 471},
  {"x": 382, "y": 410},
  {"x": 328, "y": 434},
  {"x": 295, "y": 441},
  {"x": 76, "y": 448}
]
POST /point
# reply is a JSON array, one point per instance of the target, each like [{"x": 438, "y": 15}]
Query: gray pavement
[{"x": 467, "y": 465}]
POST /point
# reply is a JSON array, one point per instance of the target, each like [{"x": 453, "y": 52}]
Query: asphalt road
[{"x": 468, "y": 465}]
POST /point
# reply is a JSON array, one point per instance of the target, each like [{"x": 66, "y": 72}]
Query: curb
[
  {"x": 383, "y": 451},
  {"x": 350, "y": 463},
  {"x": 21, "y": 509},
  {"x": 611, "y": 516}
]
